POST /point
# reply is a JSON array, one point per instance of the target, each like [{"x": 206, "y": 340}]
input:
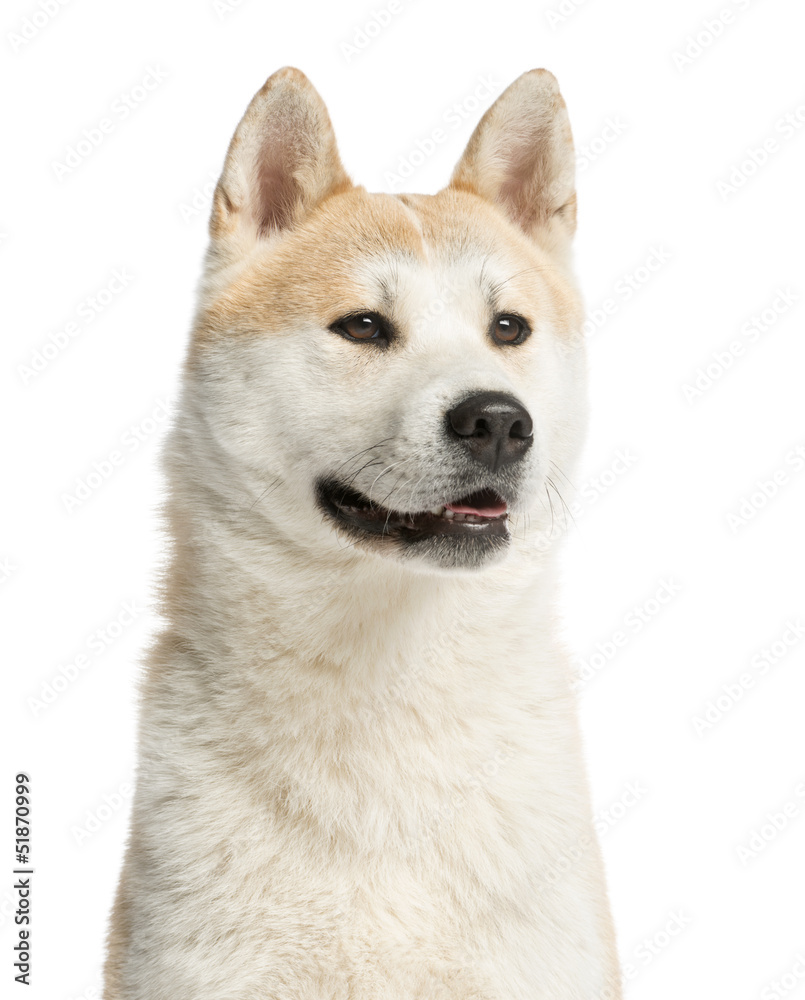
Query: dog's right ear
[{"x": 281, "y": 162}]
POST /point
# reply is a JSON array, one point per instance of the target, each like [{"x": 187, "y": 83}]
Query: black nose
[{"x": 494, "y": 426}]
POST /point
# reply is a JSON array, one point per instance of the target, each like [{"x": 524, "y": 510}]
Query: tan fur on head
[{"x": 360, "y": 774}]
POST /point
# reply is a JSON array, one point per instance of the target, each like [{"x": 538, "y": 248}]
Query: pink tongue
[{"x": 462, "y": 508}]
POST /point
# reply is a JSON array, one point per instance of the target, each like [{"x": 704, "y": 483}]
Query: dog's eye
[
  {"x": 508, "y": 329},
  {"x": 362, "y": 326}
]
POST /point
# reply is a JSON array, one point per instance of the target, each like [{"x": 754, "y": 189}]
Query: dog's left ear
[{"x": 521, "y": 158}]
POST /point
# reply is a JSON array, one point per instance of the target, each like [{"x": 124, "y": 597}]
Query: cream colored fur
[{"x": 360, "y": 774}]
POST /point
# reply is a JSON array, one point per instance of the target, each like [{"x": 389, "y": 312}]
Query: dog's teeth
[
  {"x": 437, "y": 511},
  {"x": 448, "y": 513}
]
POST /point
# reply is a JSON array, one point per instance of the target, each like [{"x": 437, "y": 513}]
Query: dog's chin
[{"x": 440, "y": 538}]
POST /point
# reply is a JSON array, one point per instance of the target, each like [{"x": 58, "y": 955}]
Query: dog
[{"x": 360, "y": 771}]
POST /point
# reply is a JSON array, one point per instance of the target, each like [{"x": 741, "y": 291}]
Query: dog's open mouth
[{"x": 482, "y": 513}]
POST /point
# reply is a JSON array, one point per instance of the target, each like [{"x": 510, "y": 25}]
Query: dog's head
[{"x": 401, "y": 374}]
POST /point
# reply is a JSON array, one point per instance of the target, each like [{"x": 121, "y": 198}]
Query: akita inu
[{"x": 360, "y": 770}]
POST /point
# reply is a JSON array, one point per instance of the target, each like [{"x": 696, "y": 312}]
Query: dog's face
[{"x": 404, "y": 372}]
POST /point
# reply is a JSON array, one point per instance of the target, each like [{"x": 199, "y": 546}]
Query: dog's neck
[{"x": 333, "y": 655}]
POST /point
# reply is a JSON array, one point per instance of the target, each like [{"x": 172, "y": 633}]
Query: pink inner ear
[
  {"x": 278, "y": 192},
  {"x": 526, "y": 174},
  {"x": 515, "y": 193}
]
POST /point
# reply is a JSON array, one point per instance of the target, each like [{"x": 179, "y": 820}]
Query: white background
[{"x": 695, "y": 916}]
